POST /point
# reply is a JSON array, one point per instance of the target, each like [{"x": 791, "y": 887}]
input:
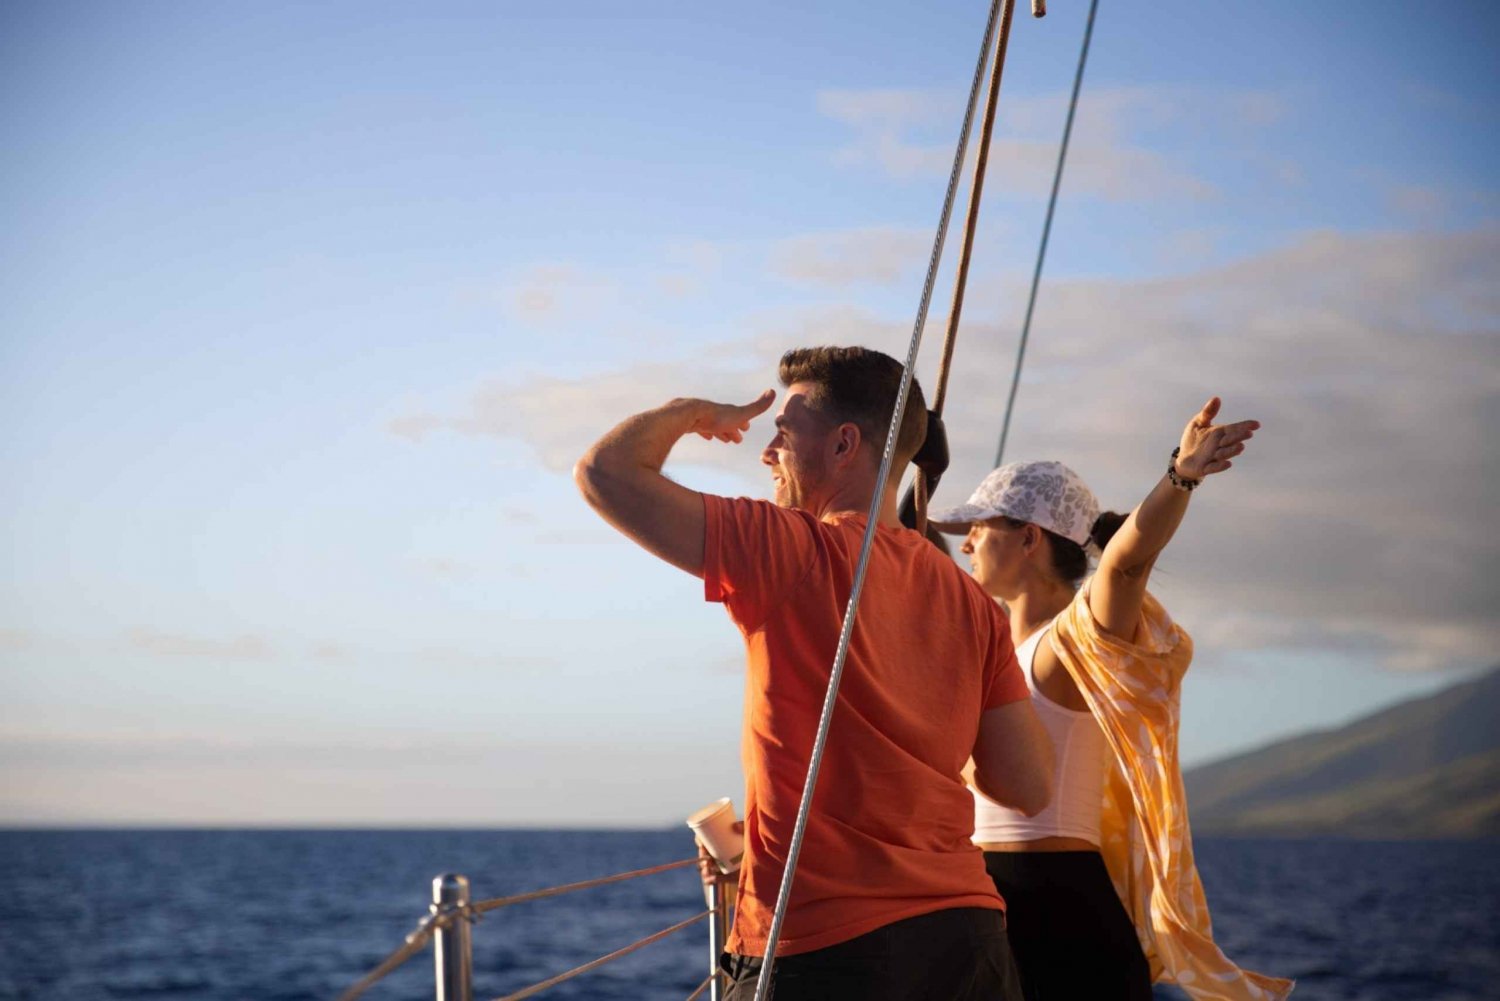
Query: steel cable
[
  {"x": 418, "y": 939},
  {"x": 494, "y": 903},
  {"x": 536, "y": 989},
  {"x": 799, "y": 830},
  {"x": 965, "y": 255},
  {"x": 1041, "y": 254},
  {"x": 415, "y": 943}
]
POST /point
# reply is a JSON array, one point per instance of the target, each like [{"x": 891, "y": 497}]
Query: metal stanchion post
[
  {"x": 717, "y": 921},
  {"x": 450, "y": 946}
]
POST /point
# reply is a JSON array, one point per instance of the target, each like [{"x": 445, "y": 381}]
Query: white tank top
[{"x": 1081, "y": 754}]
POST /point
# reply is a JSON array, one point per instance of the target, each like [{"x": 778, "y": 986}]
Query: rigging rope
[
  {"x": 1041, "y": 254},
  {"x": 441, "y": 918},
  {"x": 799, "y": 830},
  {"x": 923, "y": 483},
  {"x": 485, "y": 906},
  {"x": 415, "y": 943},
  {"x": 551, "y": 982}
]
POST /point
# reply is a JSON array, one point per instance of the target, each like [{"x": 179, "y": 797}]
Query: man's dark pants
[{"x": 959, "y": 954}]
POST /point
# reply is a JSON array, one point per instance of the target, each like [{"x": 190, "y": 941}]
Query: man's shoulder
[
  {"x": 964, "y": 587},
  {"x": 756, "y": 508},
  {"x": 754, "y": 518}
]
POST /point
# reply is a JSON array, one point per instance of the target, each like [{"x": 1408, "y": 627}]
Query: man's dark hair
[{"x": 859, "y": 386}]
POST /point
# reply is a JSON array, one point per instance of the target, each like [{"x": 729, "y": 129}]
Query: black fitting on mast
[{"x": 931, "y": 461}]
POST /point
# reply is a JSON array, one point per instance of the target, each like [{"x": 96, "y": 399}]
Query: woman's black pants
[{"x": 1069, "y": 933}]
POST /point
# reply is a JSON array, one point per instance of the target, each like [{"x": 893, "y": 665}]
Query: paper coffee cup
[{"x": 714, "y": 827}]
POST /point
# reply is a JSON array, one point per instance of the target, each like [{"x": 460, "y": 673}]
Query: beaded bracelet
[{"x": 1180, "y": 482}]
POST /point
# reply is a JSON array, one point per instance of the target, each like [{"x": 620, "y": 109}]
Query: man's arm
[
  {"x": 1013, "y": 761},
  {"x": 621, "y": 477}
]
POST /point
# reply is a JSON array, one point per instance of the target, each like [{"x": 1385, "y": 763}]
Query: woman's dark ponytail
[
  {"x": 1069, "y": 560},
  {"x": 1105, "y": 527}
]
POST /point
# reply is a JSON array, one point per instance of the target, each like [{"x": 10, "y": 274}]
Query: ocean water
[{"x": 299, "y": 915}]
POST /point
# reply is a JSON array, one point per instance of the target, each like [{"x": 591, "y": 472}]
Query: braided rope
[
  {"x": 965, "y": 253},
  {"x": 799, "y": 831}
]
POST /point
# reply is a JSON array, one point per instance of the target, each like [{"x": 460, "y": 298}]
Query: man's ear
[{"x": 846, "y": 442}]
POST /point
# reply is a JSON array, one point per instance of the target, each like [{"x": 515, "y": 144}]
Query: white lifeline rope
[{"x": 799, "y": 830}]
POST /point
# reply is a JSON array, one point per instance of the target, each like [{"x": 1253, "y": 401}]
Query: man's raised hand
[
  {"x": 727, "y": 421},
  {"x": 1206, "y": 447}
]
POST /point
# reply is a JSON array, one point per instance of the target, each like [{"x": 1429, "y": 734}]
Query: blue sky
[{"x": 305, "y": 312}]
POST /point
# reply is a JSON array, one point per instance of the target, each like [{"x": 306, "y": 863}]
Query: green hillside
[{"x": 1428, "y": 768}]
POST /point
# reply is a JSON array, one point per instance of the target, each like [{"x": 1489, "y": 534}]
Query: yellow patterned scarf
[{"x": 1134, "y": 691}]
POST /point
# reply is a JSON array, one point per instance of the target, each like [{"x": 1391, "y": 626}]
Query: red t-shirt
[{"x": 888, "y": 835}]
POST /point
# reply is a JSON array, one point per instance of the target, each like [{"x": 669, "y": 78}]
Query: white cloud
[
  {"x": 445, "y": 567},
  {"x": 909, "y": 133},
  {"x": 1191, "y": 247},
  {"x": 244, "y": 647},
  {"x": 1418, "y": 200},
  {"x": 557, "y": 296},
  {"x": 414, "y": 427},
  {"x": 1438, "y": 204},
  {"x": 355, "y": 779},
  {"x": 432, "y": 655},
  {"x": 16, "y": 639},
  {"x": 520, "y": 516},
  {"x": 544, "y": 291},
  {"x": 890, "y": 108},
  {"x": 878, "y": 255},
  {"x": 1358, "y": 516},
  {"x": 456, "y": 659},
  {"x": 689, "y": 267},
  {"x": 559, "y": 418},
  {"x": 1360, "y": 520}
]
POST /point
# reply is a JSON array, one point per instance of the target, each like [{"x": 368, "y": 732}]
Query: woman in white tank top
[{"x": 1030, "y": 529}]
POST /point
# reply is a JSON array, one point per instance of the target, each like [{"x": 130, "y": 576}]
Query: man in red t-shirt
[{"x": 890, "y": 899}]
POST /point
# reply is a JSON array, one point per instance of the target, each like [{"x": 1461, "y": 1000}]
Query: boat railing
[{"x": 448, "y": 921}]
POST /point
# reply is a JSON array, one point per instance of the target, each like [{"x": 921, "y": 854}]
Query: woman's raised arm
[{"x": 1119, "y": 587}]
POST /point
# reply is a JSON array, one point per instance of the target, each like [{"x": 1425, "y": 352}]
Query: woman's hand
[
  {"x": 1206, "y": 447},
  {"x": 1119, "y": 588}
]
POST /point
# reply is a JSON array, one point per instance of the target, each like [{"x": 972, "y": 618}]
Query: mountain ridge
[{"x": 1425, "y": 768}]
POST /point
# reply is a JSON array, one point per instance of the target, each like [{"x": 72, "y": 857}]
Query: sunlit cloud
[
  {"x": 1360, "y": 519},
  {"x": 453, "y": 658},
  {"x": 1420, "y": 201},
  {"x": 552, "y": 296},
  {"x": 560, "y": 417},
  {"x": 878, "y": 255},
  {"x": 907, "y": 134},
  {"x": 352, "y": 778},
  {"x": 16, "y": 639},
  {"x": 1190, "y": 247},
  {"x": 689, "y": 266},
  {"x": 445, "y": 567},
  {"x": 414, "y": 427},
  {"x": 1439, "y": 204},
  {"x": 244, "y": 647}
]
